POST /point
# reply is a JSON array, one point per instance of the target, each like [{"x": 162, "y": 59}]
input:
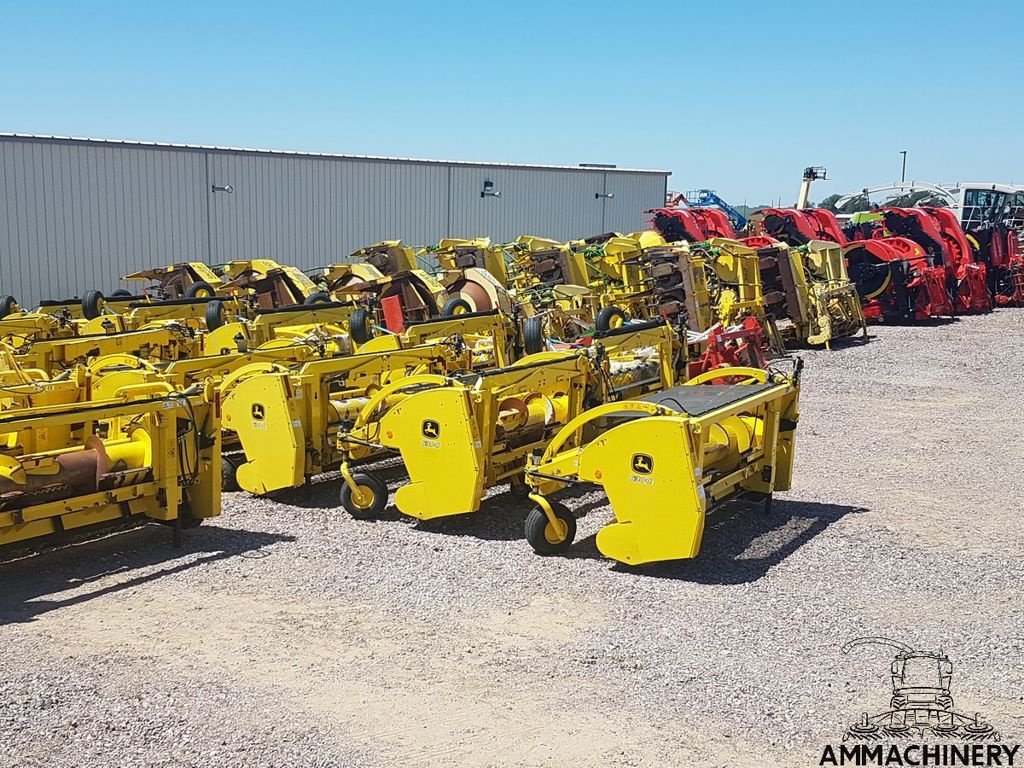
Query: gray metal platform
[{"x": 700, "y": 399}]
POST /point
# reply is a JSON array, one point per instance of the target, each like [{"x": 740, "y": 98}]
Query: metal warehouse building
[{"x": 77, "y": 214}]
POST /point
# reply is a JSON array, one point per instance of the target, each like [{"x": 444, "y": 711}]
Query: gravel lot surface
[{"x": 287, "y": 634}]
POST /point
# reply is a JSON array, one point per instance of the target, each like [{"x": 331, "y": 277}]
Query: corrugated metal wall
[
  {"x": 556, "y": 204},
  {"x": 79, "y": 214},
  {"x": 314, "y": 211}
]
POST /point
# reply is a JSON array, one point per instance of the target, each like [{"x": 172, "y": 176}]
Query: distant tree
[
  {"x": 830, "y": 203},
  {"x": 857, "y": 204},
  {"x": 910, "y": 199}
]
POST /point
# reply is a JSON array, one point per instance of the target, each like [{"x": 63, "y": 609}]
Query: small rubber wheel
[
  {"x": 317, "y": 298},
  {"x": 543, "y": 536},
  {"x": 533, "y": 335},
  {"x": 121, "y": 293},
  {"x": 229, "y": 474},
  {"x": 214, "y": 314},
  {"x": 7, "y": 305},
  {"x": 187, "y": 521},
  {"x": 92, "y": 304},
  {"x": 200, "y": 290},
  {"x": 359, "y": 326},
  {"x": 609, "y": 318},
  {"x": 371, "y": 499},
  {"x": 518, "y": 487},
  {"x": 454, "y": 307}
]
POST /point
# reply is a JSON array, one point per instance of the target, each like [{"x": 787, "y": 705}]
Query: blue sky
[{"x": 736, "y": 96}]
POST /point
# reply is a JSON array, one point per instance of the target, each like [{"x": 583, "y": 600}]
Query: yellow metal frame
[
  {"x": 287, "y": 420},
  {"x": 164, "y": 342},
  {"x": 461, "y": 435},
  {"x": 489, "y": 336},
  {"x": 835, "y": 304},
  {"x": 144, "y": 451},
  {"x": 663, "y": 469}
]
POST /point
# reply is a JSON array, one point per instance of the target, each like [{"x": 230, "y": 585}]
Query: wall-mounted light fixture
[
  {"x": 489, "y": 190},
  {"x": 605, "y": 195},
  {"x": 229, "y": 189}
]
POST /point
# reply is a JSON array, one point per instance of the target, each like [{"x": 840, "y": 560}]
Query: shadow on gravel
[
  {"x": 502, "y": 516},
  {"x": 741, "y": 543},
  {"x": 28, "y": 582},
  {"x": 843, "y": 342},
  {"x": 323, "y": 491}
]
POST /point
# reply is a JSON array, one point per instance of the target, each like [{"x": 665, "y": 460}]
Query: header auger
[{"x": 147, "y": 452}]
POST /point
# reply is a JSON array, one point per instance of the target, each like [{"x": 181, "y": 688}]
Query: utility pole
[{"x": 903, "y": 174}]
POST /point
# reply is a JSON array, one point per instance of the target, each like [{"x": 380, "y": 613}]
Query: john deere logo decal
[
  {"x": 431, "y": 429},
  {"x": 258, "y": 412},
  {"x": 642, "y": 464}
]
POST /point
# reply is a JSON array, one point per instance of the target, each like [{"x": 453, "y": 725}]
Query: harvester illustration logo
[
  {"x": 920, "y": 725},
  {"x": 642, "y": 464},
  {"x": 431, "y": 429},
  {"x": 921, "y": 704}
]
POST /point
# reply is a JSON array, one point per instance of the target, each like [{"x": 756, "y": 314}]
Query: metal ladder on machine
[{"x": 709, "y": 197}]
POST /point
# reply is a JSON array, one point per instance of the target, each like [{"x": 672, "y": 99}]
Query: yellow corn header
[
  {"x": 147, "y": 452},
  {"x": 537, "y": 363},
  {"x": 667, "y": 460},
  {"x": 459, "y": 435}
]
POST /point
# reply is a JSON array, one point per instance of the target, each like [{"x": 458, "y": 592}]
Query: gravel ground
[{"x": 287, "y": 634}]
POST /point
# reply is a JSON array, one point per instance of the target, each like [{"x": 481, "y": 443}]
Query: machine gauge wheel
[
  {"x": 7, "y": 305},
  {"x": 360, "y": 326},
  {"x": 533, "y": 335},
  {"x": 200, "y": 290},
  {"x": 187, "y": 521},
  {"x": 229, "y": 474},
  {"x": 455, "y": 306},
  {"x": 319, "y": 297},
  {"x": 369, "y": 500},
  {"x": 518, "y": 487},
  {"x": 609, "y": 318},
  {"x": 92, "y": 304},
  {"x": 543, "y": 536},
  {"x": 214, "y": 314}
]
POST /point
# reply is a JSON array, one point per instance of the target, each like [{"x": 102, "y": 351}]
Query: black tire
[
  {"x": 187, "y": 521},
  {"x": 200, "y": 289},
  {"x": 603, "y": 321},
  {"x": 359, "y": 326},
  {"x": 121, "y": 293},
  {"x": 377, "y": 502},
  {"x": 92, "y": 304},
  {"x": 537, "y": 533},
  {"x": 517, "y": 487},
  {"x": 452, "y": 307},
  {"x": 317, "y": 298},
  {"x": 7, "y": 305},
  {"x": 533, "y": 335},
  {"x": 214, "y": 314},
  {"x": 229, "y": 474}
]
